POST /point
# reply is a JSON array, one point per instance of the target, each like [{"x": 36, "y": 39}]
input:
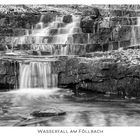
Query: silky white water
[{"x": 37, "y": 75}]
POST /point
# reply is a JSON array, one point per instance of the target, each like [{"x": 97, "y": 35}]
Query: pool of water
[{"x": 17, "y": 104}]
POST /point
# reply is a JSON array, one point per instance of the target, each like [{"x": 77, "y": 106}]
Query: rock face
[
  {"x": 105, "y": 26},
  {"x": 8, "y": 74},
  {"x": 117, "y": 72}
]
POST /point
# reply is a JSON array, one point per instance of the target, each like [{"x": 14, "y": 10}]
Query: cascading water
[
  {"x": 135, "y": 33},
  {"x": 57, "y": 32},
  {"x": 69, "y": 30},
  {"x": 44, "y": 38},
  {"x": 40, "y": 24},
  {"x": 133, "y": 39},
  {"x": 37, "y": 75}
]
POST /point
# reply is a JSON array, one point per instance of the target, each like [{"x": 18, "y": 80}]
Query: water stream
[{"x": 24, "y": 101}]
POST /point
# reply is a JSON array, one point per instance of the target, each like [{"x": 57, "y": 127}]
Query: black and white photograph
[{"x": 69, "y": 65}]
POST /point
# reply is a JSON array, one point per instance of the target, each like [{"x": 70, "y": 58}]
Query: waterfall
[
  {"x": 56, "y": 32},
  {"x": 37, "y": 75},
  {"x": 53, "y": 38}
]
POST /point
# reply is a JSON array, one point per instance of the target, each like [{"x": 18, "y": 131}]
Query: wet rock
[
  {"x": 5, "y": 109},
  {"x": 45, "y": 53},
  {"x": 48, "y": 17},
  {"x": 8, "y": 74},
  {"x": 48, "y": 113},
  {"x": 67, "y": 19},
  {"x": 2, "y": 69},
  {"x": 87, "y": 22},
  {"x": 92, "y": 12},
  {"x": 2, "y": 21}
]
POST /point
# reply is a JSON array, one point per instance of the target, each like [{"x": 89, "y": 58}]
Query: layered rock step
[
  {"x": 125, "y": 36},
  {"x": 106, "y": 27}
]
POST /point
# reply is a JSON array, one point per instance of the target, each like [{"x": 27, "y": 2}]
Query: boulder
[{"x": 48, "y": 113}]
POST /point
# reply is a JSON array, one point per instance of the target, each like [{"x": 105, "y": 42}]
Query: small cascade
[
  {"x": 135, "y": 33},
  {"x": 67, "y": 31},
  {"x": 40, "y": 24},
  {"x": 37, "y": 75},
  {"x": 133, "y": 37},
  {"x": 6, "y": 47},
  {"x": 27, "y": 32},
  {"x": 138, "y": 21},
  {"x": 138, "y": 32}
]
